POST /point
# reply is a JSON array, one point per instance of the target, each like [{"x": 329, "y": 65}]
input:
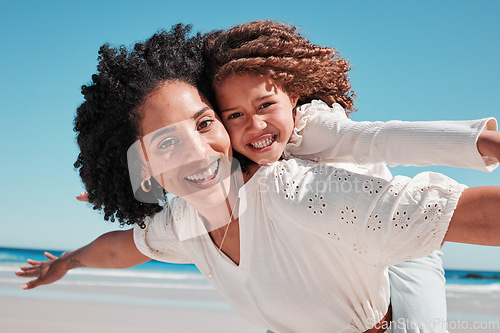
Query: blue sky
[{"x": 411, "y": 60}]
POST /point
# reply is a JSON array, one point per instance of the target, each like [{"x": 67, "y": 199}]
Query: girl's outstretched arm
[
  {"x": 326, "y": 134},
  {"x": 114, "y": 249},
  {"x": 476, "y": 219}
]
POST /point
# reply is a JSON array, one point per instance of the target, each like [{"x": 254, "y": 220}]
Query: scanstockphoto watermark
[
  {"x": 481, "y": 325},
  {"x": 439, "y": 325},
  {"x": 328, "y": 179}
]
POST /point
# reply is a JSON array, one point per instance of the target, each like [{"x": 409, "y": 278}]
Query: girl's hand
[
  {"x": 488, "y": 144},
  {"x": 45, "y": 272},
  {"x": 83, "y": 197}
]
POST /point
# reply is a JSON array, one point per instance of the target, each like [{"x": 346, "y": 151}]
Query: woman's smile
[{"x": 205, "y": 177}]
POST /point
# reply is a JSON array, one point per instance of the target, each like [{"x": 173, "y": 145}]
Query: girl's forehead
[{"x": 246, "y": 82}]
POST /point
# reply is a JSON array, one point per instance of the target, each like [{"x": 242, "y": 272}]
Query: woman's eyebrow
[
  {"x": 162, "y": 131},
  {"x": 200, "y": 112},
  {"x": 173, "y": 128}
]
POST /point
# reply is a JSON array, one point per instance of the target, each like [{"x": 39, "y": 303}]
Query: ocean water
[
  {"x": 172, "y": 275},
  {"x": 473, "y": 296},
  {"x": 152, "y": 283},
  {"x": 154, "y": 277},
  {"x": 187, "y": 276}
]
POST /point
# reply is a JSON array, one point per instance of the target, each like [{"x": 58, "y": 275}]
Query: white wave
[
  {"x": 10, "y": 268},
  {"x": 5, "y": 256},
  {"x": 130, "y": 273},
  {"x": 138, "y": 274},
  {"x": 120, "y": 284},
  {"x": 473, "y": 288}
]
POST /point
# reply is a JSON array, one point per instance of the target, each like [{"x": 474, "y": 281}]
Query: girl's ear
[{"x": 294, "y": 99}]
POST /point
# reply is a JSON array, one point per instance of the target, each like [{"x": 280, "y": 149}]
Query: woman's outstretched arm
[
  {"x": 115, "y": 249},
  {"x": 476, "y": 219}
]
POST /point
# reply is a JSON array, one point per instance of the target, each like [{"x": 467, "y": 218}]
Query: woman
[{"x": 265, "y": 245}]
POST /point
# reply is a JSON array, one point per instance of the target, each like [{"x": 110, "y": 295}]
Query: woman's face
[{"x": 187, "y": 147}]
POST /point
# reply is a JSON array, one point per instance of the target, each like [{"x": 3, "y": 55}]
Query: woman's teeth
[
  {"x": 263, "y": 144},
  {"x": 205, "y": 175}
]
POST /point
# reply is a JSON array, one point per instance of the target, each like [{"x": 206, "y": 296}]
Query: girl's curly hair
[
  {"x": 107, "y": 122},
  {"x": 278, "y": 51}
]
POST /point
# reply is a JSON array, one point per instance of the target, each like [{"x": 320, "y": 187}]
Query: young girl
[
  {"x": 299, "y": 267},
  {"x": 262, "y": 70}
]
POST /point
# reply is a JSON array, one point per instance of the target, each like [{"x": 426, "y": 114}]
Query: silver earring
[{"x": 146, "y": 185}]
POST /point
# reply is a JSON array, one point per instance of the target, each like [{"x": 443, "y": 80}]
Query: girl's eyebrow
[{"x": 257, "y": 99}]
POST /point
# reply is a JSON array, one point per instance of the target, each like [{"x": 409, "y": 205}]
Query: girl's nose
[{"x": 257, "y": 123}]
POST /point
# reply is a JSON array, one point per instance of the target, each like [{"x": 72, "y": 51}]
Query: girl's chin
[{"x": 265, "y": 158}]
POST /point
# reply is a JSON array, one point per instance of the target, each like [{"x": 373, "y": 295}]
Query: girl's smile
[{"x": 258, "y": 115}]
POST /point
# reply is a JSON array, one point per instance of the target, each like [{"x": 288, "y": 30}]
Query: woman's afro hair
[{"x": 107, "y": 122}]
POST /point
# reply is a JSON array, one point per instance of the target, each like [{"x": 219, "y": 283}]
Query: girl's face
[
  {"x": 185, "y": 145},
  {"x": 257, "y": 114}
]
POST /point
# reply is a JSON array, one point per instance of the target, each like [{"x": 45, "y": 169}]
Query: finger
[
  {"x": 23, "y": 268},
  {"x": 33, "y": 262},
  {"x": 30, "y": 285},
  {"x": 50, "y": 256},
  {"x": 27, "y": 273}
]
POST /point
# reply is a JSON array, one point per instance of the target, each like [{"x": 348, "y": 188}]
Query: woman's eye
[
  {"x": 167, "y": 143},
  {"x": 265, "y": 105},
  {"x": 235, "y": 115},
  {"x": 204, "y": 124}
]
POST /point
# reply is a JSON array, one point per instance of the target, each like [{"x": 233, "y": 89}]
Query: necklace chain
[{"x": 219, "y": 249}]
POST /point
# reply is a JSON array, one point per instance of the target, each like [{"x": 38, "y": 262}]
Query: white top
[
  {"x": 313, "y": 252},
  {"x": 315, "y": 241}
]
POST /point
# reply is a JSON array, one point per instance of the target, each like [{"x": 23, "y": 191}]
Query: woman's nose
[{"x": 196, "y": 149}]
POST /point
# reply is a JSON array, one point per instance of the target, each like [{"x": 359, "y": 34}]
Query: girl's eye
[
  {"x": 204, "y": 124},
  {"x": 235, "y": 115},
  {"x": 265, "y": 105},
  {"x": 167, "y": 143}
]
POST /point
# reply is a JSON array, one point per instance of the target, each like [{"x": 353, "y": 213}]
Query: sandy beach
[
  {"x": 62, "y": 308},
  {"x": 73, "y": 305}
]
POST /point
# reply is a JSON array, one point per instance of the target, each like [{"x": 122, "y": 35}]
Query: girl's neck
[{"x": 250, "y": 171}]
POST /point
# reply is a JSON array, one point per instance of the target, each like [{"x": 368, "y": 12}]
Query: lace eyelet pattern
[
  {"x": 316, "y": 204},
  {"x": 348, "y": 215}
]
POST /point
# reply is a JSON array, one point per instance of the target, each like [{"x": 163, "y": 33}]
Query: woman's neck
[{"x": 218, "y": 215}]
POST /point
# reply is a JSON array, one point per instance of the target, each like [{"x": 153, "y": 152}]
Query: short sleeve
[
  {"x": 382, "y": 222},
  {"x": 157, "y": 238}
]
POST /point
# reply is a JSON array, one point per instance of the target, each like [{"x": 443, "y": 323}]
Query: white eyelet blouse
[{"x": 315, "y": 241}]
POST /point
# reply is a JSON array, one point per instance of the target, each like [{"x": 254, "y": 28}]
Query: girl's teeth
[{"x": 263, "y": 144}]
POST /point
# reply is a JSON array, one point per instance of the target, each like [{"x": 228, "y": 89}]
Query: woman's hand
[
  {"x": 45, "y": 272},
  {"x": 488, "y": 144},
  {"x": 83, "y": 197}
]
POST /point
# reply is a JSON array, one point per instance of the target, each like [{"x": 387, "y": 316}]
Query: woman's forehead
[{"x": 171, "y": 103}]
